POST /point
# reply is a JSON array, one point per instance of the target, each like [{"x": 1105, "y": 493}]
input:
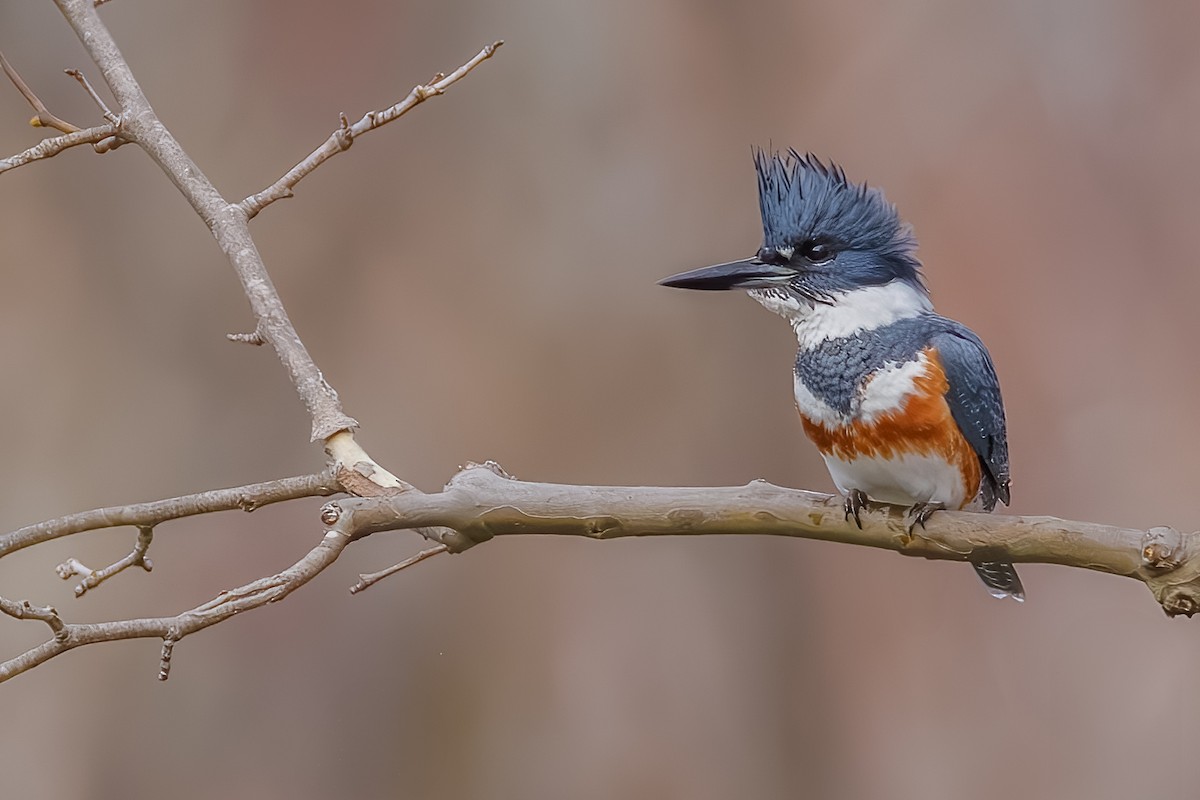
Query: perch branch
[
  {"x": 344, "y": 136},
  {"x": 481, "y": 502}
]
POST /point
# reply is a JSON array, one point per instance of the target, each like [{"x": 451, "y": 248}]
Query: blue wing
[{"x": 976, "y": 405}]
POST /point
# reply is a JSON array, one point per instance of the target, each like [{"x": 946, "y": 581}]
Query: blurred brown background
[{"x": 478, "y": 281}]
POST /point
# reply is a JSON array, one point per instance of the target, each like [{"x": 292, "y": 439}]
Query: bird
[{"x": 903, "y": 404}]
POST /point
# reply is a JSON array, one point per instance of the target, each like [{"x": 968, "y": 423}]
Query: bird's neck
[{"x": 847, "y": 313}]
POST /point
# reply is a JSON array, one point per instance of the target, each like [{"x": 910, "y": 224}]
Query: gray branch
[
  {"x": 145, "y": 516},
  {"x": 352, "y": 469},
  {"x": 226, "y": 221},
  {"x": 169, "y": 629},
  {"x": 148, "y": 515},
  {"x": 48, "y": 148},
  {"x": 482, "y": 502},
  {"x": 341, "y": 139}
]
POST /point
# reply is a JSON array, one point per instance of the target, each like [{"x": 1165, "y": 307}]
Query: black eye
[{"x": 817, "y": 252}]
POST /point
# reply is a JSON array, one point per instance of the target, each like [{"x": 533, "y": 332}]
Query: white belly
[{"x": 906, "y": 480}]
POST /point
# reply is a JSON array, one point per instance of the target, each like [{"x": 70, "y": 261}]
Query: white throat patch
[{"x": 850, "y": 312}]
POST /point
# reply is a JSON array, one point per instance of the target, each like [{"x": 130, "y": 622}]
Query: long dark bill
[{"x": 746, "y": 274}]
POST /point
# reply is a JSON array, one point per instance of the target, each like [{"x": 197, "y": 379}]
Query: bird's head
[{"x": 823, "y": 238}]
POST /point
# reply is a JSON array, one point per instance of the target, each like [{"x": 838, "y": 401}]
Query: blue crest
[{"x": 803, "y": 199}]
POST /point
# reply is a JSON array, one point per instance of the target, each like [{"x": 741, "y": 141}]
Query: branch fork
[
  {"x": 93, "y": 578},
  {"x": 26, "y": 610},
  {"x": 344, "y": 136}
]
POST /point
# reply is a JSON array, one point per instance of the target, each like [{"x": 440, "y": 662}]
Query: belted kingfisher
[{"x": 903, "y": 404}]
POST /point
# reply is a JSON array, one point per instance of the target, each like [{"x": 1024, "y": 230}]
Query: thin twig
[
  {"x": 367, "y": 580},
  {"x": 25, "y": 610},
  {"x": 55, "y": 145},
  {"x": 87, "y": 87},
  {"x": 147, "y": 515},
  {"x": 171, "y": 629},
  {"x": 43, "y": 118},
  {"x": 344, "y": 136},
  {"x": 93, "y": 578}
]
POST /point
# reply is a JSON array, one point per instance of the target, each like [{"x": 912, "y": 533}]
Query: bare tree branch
[
  {"x": 367, "y": 580},
  {"x": 145, "y": 516},
  {"x": 135, "y": 121},
  {"x": 148, "y": 515},
  {"x": 43, "y": 118},
  {"x": 93, "y": 578},
  {"x": 55, "y": 145},
  {"x": 341, "y": 139},
  {"x": 482, "y": 502},
  {"x": 108, "y": 115},
  {"x": 227, "y": 222},
  {"x": 26, "y": 610},
  {"x": 170, "y": 629}
]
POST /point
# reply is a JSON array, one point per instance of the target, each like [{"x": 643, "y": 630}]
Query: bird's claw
[
  {"x": 920, "y": 513},
  {"x": 855, "y": 502}
]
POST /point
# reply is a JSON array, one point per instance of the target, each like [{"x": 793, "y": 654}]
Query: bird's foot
[
  {"x": 856, "y": 501},
  {"x": 920, "y": 513}
]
